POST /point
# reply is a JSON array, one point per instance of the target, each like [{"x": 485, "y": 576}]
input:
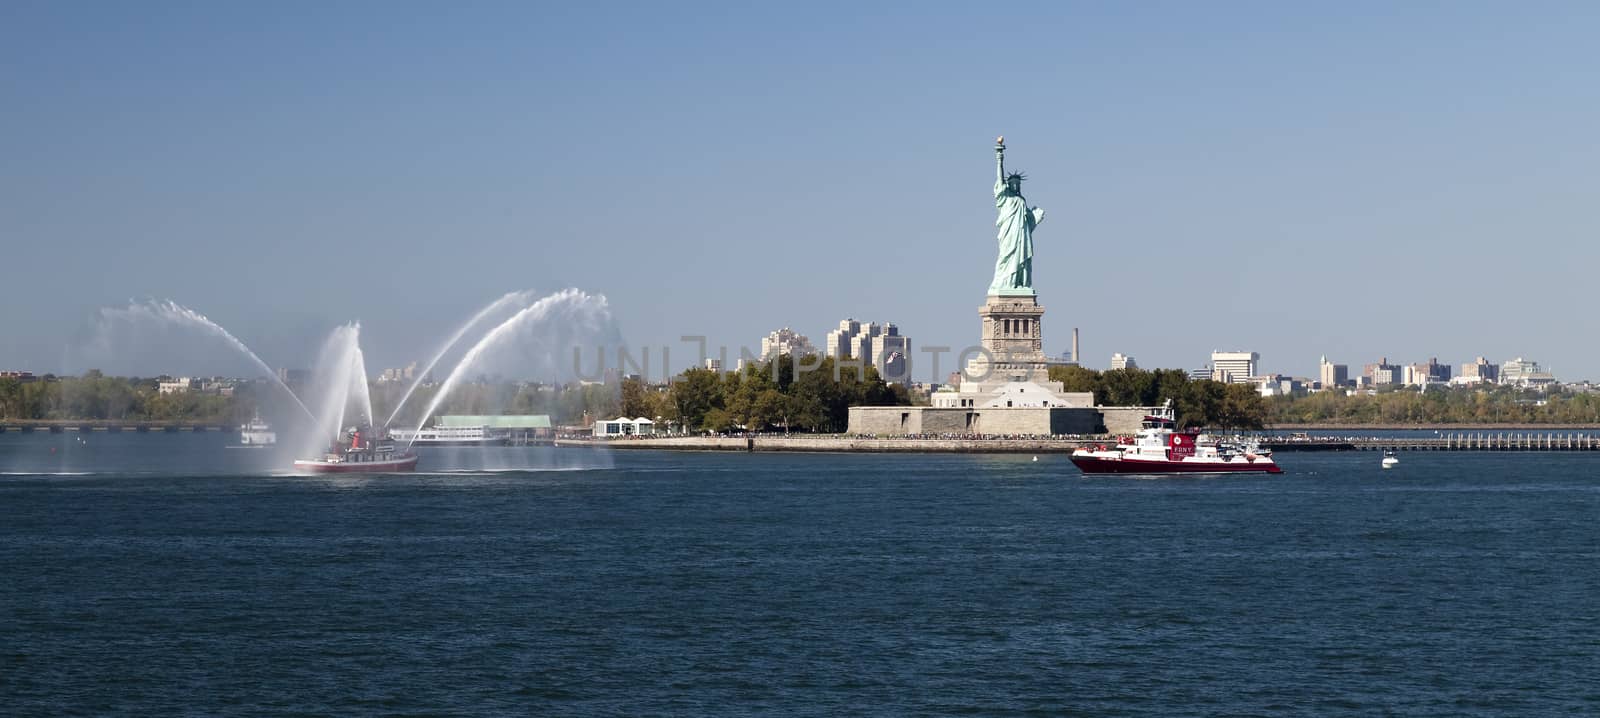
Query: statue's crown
[{"x": 1018, "y": 176}]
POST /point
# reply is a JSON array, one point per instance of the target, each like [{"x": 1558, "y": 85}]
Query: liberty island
[{"x": 1006, "y": 388}]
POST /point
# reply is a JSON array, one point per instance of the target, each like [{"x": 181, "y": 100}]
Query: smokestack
[{"x": 1075, "y": 358}]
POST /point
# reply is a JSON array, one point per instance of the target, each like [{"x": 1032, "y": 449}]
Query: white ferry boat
[
  {"x": 449, "y": 436},
  {"x": 257, "y": 433},
  {"x": 1161, "y": 448}
]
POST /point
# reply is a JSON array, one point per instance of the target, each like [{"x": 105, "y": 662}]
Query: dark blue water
[{"x": 702, "y": 584}]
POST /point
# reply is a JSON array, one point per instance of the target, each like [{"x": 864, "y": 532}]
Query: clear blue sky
[{"x": 1356, "y": 179}]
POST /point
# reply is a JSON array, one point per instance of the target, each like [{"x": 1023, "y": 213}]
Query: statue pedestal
[{"x": 1013, "y": 337}]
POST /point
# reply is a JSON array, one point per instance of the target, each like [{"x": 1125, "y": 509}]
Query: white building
[
  {"x": 623, "y": 426},
  {"x": 837, "y": 343},
  {"x": 785, "y": 341},
  {"x": 1122, "y": 361},
  {"x": 1525, "y": 372},
  {"x": 178, "y": 386},
  {"x": 1234, "y": 367},
  {"x": 1332, "y": 375}
]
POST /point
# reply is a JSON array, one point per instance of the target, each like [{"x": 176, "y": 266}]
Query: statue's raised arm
[{"x": 999, "y": 164}]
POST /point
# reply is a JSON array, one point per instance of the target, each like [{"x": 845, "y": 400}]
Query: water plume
[
  {"x": 510, "y": 299},
  {"x": 172, "y": 313},
  {"x": 340, "y": 377},
  {"x": 536, "y": 342}
]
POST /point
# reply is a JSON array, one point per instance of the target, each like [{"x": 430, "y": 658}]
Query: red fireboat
[
  {"x": 368, "y": 451},
  {"x": 1161, "y": 448}
]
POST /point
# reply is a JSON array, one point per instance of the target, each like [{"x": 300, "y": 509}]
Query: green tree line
[
  {"x": 1439, "y": 405},
  {"x": 765, "y": 396},
  {"x": 1198, "y": 402},
  {"x": 96, "y": 397}
]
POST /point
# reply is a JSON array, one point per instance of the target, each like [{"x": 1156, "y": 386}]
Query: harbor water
[{"x": 164, "y": 574}]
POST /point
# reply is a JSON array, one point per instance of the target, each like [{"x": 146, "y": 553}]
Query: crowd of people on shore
[
  {"x": 803, "y": 436},
  {"x": 974, "y": 437}
]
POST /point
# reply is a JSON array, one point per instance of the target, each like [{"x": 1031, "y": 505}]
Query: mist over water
[
  {"x": 543, "y": 341},
  {"x": 153, "y": 337},
  {"x": 511, "y": 299},
  {"x": 539, "y": 341},
  {"x": 339, "y": 388}
]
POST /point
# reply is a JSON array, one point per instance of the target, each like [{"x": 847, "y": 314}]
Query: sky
[{"x": 1356, "y": 180}]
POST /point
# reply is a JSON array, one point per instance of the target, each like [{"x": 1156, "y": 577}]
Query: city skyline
[{"x": 1308, "y": 175}]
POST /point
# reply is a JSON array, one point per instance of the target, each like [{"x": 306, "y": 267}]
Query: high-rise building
[
  {"x": 1383, "y": 372},
  {"x": 837, "y": 344},
  {"x": 891, "y": 354},
  {"x": 1332, "y": 375},
  {"x": 1480, "y": 371},
  {"x": 1431, "y": 372},
  {"x": 1123, "y": 361},
  {"x": 1234, "y": 367},
  {"x": 785, "y": 341},
  {"x": 878, "y": 345}
]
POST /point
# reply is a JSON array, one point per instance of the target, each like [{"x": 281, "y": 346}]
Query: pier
[
  {"x": 113, "y": 427},
  {"x": 1455, "y": 441}
]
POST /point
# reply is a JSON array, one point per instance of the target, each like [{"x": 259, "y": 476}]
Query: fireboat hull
[
  {"x": 404, "y": 463},
  {"x": 1108, "y": 465}
]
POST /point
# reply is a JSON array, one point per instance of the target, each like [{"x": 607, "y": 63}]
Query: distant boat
[
  {"x": 257, "y": 433},
  {"x": 449, "y": 436},
  {"x": 1389, "y": 460}
]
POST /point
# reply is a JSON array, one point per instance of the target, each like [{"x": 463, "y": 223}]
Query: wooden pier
[{"x": 1454, "y": 441}]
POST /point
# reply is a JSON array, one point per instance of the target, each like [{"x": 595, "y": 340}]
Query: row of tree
[
  {"x": 1198, "y": 402},
  {"x": 1439, "y": 405},
  {"x": 769, "y": 395},
  {"x": 95, "y": 397}
]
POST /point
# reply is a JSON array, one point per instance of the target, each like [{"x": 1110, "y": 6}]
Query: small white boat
[
  {"x": 1389, "y": 460},
  {"x": 257, "y": 433}
]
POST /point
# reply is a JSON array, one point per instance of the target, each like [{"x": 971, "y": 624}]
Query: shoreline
[
  {"x": 1430, "y": 427},
  {"x": 835, "y": 445}
]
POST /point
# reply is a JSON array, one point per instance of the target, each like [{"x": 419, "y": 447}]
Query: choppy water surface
[{"x": 157, "y": 575}]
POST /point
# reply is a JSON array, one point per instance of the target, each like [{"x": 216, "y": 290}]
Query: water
[{"x": 170, "y": 580}]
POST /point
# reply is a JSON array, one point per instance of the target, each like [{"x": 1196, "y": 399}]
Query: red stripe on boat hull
[
  {"x": 368, "y": 467},
  {"x": 1097, "y": 465}
]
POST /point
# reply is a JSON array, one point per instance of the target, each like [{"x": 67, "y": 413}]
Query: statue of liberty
[{"x": 1013, "y": 270}]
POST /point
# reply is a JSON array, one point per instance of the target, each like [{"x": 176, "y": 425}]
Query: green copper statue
[{"x": 1013, "y": 271}]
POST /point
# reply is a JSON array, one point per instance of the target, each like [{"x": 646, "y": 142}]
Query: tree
[
  {"x": 1078, "y": 379},
  {"x": 693, "y": 394},
  {"x": 635, "y": 399}
]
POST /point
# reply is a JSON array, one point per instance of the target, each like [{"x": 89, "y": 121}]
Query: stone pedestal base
[{"x": 1012, "y": 336}]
